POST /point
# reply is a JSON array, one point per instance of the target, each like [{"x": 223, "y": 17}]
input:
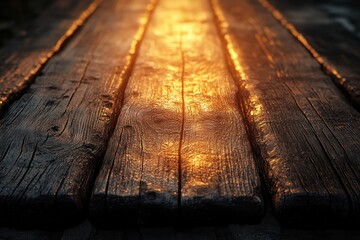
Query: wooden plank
[
  {"x": 219, "y": 180},
  {"x": 138, "y": 181},
  {"x": 24, "y": 57},
  {"x": 335, "y": 47},
  {"x": 305, "y": 131},
  {"x": 53, "y": 137},
  {"x": 179, "y": 117}
]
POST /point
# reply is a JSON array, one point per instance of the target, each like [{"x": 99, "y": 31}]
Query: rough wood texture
[
  {"x": 219, "y": 179},
  {"x": 304, "y": 129},
  {"x": 53, "y": 137},
  {"x": 23, "y": 58},
  {"x": 179, "y": 117},
  {"x": 328, "y": 38},
  {"x": 138, "y": 180}
]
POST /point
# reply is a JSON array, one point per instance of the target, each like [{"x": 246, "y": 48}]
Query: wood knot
[
  {"x": 50, "y": 103},
  {"x": 55, "y": 128},
  {"x": 90, "y": 146},
  {"x": 107, "y": 103}
]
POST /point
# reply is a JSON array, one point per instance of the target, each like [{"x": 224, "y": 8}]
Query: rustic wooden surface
[
  {"x": 219, "y": 180},
  {"x": 333, "y": 33},
  {"x": 180, "y": 116},
  {"x": 303, "y": 127},
  {"x": 175, "y": 127},
  {"x": 54, "y": 136},
  {"x": 23, "y": 58},
  {"x": 138, "y": 181}
]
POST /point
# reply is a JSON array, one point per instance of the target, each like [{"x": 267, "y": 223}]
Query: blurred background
[{"x": 15, "y": 16}]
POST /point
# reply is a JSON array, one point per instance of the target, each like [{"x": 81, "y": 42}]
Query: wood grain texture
[
  {"x": 53, "y": 137},
  {"x": 24, "y": 57},
  {"x": 219, "y": 180},
  {"x": 303, "y": 127},
  {"x": 138, "y": 181},
  {"x": 179, "y": 123},
  {"x": 334, "y": 46}
]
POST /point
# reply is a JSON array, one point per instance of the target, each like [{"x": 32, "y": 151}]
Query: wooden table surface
[{"x": 207, "y": 119}]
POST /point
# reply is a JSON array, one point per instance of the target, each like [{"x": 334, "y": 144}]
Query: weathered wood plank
[
  {"x": 180, "y": 116},
  {"x": 219, "y": 180},
  {"x": 335, "y": 47},
  {"x": 53, "y": 137},
  {"x": 304, "y": 129},
  {"x": 23, "y": 58},
  {"x": 138, "y": 181}
]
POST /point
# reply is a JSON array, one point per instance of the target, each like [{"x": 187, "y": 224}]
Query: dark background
[{"x": 15, "y": 15}]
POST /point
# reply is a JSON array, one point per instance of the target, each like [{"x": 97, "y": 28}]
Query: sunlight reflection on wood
[{"x": 180, "y": 144}]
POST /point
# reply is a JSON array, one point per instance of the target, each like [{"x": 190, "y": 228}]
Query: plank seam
[
  {"x": 237, "y": 72},
  {"x": 9, "y": 97},
  {"x": 181, "y": 140},
  {"x": 325, "y": 67},
  {"x": 125, "y": 76}
]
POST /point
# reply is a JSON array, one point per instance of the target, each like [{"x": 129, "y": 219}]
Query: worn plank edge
[
  {"x": 283, "y": 211},
  {"x": 249, "y": 208},
  {"x": 98, "y": 200},
  {"x": 326, "y": 67},
  {"x": 237, "y": 72},
  {"x": 8, "y": 97}
]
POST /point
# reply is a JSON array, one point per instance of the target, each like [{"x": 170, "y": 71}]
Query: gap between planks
[
  {"x": 20, "y": 67},
  {"x": 55, "y": 135},
  {"x": 347, "y": 79},
  {"x": 304, "y": 129},
  {"x": 179, "y": 142}
]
